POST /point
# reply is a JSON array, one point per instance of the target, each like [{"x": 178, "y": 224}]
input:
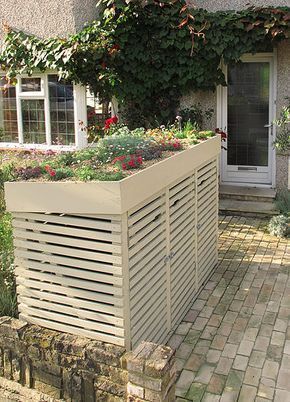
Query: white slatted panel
[
  {"x": 69, "y": 273},
  {"x": 182, "y": 245},
  {"x": 207, "y": 215},
  {"x": 147, "y": 250}
]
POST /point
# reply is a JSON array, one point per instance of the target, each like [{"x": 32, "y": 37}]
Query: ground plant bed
[{"x": 118, "y": 261}]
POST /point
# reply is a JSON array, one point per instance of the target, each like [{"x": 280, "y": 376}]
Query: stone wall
[{"x": 77, "y": 369}]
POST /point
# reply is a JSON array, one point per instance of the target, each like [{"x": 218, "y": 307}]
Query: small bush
[
  {"x": 109, "y": 176},
  {"x": 8, "y": 305},
  {"x": 85, "y": 173},
  {"x": 110, "y": 147},
  {"x": 29, "y": 173},
  {"x": 278, "y": 226},
  {"x": 283, "y": 202},
  {"x": 58, "y": 174}
]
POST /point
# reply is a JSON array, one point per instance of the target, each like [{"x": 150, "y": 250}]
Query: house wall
[{"x": 49, "y": 18}]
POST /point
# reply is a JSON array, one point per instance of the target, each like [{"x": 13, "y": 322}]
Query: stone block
[
  {"x": 99, "y": 352},
  {"x": 135, "y": 390},
  {"x": 11, "y": 328},
  {"x": 104, "y": 384}
]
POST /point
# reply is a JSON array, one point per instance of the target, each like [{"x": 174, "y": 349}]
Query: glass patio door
[{"x": 248, "y": 113}]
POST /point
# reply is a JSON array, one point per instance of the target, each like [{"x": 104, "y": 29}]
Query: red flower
[
  {"x": 124, "y": 166},
  {"x": 109, "y": 122},
  {"x": 52, "y": 173},
  {"x": 222, "y": 133}
]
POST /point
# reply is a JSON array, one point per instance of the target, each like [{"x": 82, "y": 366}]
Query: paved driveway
[{"x": 234, "y": 344}]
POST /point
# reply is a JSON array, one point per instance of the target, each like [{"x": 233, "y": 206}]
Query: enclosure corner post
[{"x": 126, "y": 278}]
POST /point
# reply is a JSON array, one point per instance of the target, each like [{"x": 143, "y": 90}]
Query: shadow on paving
[{"x": 234, "y": 343}]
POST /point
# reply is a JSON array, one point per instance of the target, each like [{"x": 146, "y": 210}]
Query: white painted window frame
[
  {"x": 80, "y": 114},
  {"x": 270, "y": 57}
]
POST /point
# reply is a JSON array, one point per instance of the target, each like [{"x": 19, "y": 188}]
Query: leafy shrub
[
  {"x": 282, "y": 142},
  {"x": 110, "y": 147},
  {"x": 85, "y": 173},
  {"x": 65, "y": 159},
  {"x": 8, "y": 305},
  {"x": 7, "y": 173},
  {"x": 278, "y": 226},
  {"x": 29, "y": 172},
  {"x": 195, "y": 115},
  {"x": 283, "y": 202},
  {"x": 58, "y": 174},
  {"x": 109, "y": 176},
  {"x": 152, "y": 152}
]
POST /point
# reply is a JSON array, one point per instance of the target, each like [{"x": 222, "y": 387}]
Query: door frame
[{"x": 222, "y": 96}]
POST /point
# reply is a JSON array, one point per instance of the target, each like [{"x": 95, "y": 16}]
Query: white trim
[
  {"x": 270, "y": 176},
  {"x": 80, "y": 116},
  {"x": 19, "y": 114}
]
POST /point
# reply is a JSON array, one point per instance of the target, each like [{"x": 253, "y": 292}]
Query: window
[
  {"x": 31, "y": 84},
  {"x": 33, "y": 121},
  {"x": 61, "y": 105},
  {"x": 8, "y": 112},
  {"x": 42, "y": 109}
]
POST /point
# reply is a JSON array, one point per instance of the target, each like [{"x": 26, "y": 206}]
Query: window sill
[{"x": 37, "y": 147}]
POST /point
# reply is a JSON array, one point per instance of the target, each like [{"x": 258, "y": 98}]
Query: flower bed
[
  {"x": 118, "y": 261},
  {"x": 119, "y": 154}
]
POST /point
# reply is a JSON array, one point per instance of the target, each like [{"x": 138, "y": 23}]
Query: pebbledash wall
[
  {"x": 52, "y": 18},
  {"x": 38, "y": 364}
]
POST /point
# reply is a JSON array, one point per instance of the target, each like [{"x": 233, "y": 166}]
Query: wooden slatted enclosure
[{"x": 118, "y": 262}]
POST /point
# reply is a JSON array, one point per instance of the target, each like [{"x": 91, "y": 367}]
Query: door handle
[{"x": 269, "y": 126}]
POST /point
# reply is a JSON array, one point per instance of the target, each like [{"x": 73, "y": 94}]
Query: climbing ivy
[{"x": 148, "y": 53}]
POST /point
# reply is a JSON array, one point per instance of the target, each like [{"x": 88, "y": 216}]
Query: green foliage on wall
[{"x": 149, "y": 53}]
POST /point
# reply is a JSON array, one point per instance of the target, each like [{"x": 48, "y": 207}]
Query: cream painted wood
[{"x": 117, "y": 262}]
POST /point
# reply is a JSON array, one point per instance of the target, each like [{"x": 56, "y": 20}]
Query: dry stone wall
[{"x": 64, "y": 367}]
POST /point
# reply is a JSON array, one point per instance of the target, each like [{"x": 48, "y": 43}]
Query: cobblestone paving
[{"x": 234, "y": 344}]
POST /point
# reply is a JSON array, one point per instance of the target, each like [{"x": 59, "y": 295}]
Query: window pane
[
  {"x": 8, "y": 113},
  {"x": 61, "y": 103},
  {"x": 30, "y": 84},
  {"x": 248, "y": 113},
  {"x": 33, "y": 121}
]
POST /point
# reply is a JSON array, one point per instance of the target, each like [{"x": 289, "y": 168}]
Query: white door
[{"x": 246, "y": 111}]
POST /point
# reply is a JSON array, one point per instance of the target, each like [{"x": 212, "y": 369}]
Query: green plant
[
  {"x": 195, "y": 115},
  {"x": 278, "y": 226},
  {"x": 58, "y": 173},
  {"x": 147, "y": 54},
  {"x": 8, "y": 305},
  {"x": 85, "y": 173},
  {"x": 282, "y": 142},
  {"x": 283, "y": 202},
  {"x": 109, "y": 176},
  {"x": 109, "y": 148}
]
